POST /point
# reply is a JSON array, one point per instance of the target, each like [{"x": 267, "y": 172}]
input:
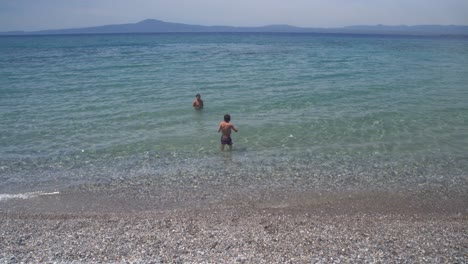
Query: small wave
[{"x": 5, "y": 197}]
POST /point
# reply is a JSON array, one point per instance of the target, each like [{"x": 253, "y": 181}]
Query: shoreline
[
  {"x": 308, "y": 227},
  {"x": 139, "y": 199}
]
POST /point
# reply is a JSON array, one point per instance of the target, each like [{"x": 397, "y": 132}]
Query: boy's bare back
[{"x": 225, "y": 128}]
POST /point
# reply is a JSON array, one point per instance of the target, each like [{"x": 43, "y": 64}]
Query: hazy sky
[{"x": 56, "y": 14}]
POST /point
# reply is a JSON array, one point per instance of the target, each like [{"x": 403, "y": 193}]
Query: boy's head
[
  {"x": 227, "y": 118},
  {"x": 198, "y": 96}
]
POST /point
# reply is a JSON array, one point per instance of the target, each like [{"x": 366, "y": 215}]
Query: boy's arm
[
  {"x": 219, "y": 128},
  {"x": 235, "y": 129}
]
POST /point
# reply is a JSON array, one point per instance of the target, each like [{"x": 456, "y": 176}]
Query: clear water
[{"x": 317, "y": 111}]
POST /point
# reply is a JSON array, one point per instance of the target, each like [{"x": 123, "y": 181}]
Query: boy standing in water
[
  {"x": 225, "y": 127},
  {"x": 198, "y": 103}
]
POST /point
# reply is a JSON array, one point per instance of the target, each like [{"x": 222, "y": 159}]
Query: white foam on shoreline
[{"x": 5, "y": 197}]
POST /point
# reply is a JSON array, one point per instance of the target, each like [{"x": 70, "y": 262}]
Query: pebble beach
[{"x": 306, "y": 228}]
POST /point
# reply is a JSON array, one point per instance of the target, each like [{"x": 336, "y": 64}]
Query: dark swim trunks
[{"x": 226, "y": 140}]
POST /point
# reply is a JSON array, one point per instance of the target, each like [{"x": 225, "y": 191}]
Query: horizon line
[{"x": 251, "y": 26}]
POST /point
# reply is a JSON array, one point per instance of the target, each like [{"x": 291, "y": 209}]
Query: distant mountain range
[{"x": 158, "y": 26}]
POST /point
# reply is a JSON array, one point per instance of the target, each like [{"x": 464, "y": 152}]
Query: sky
[{"x": 31, "y": 15}]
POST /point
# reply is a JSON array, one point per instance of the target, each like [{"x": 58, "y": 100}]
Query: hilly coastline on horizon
[{"x": 158, "y": 26}]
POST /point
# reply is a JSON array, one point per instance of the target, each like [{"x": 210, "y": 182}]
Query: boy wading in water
[{"x": 225, "y": 127}]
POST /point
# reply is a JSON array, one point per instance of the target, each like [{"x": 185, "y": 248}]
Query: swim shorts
[{"x": 226, "y": 140}]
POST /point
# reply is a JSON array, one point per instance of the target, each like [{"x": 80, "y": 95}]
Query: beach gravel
[{"x": 270, "y": 235}]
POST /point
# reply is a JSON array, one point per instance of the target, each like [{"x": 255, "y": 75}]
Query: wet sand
[{"x": 331, "y": 227}]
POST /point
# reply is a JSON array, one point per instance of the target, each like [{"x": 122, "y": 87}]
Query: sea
[{"x": 315, "y": 112}]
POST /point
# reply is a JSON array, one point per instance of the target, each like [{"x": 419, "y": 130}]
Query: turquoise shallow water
[{"x": 92, "y": 109}]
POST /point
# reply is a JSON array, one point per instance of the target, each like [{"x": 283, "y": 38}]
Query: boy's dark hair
[
  {"x": 197, "y": 95},
  {"x": 227, "y": 118}
]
